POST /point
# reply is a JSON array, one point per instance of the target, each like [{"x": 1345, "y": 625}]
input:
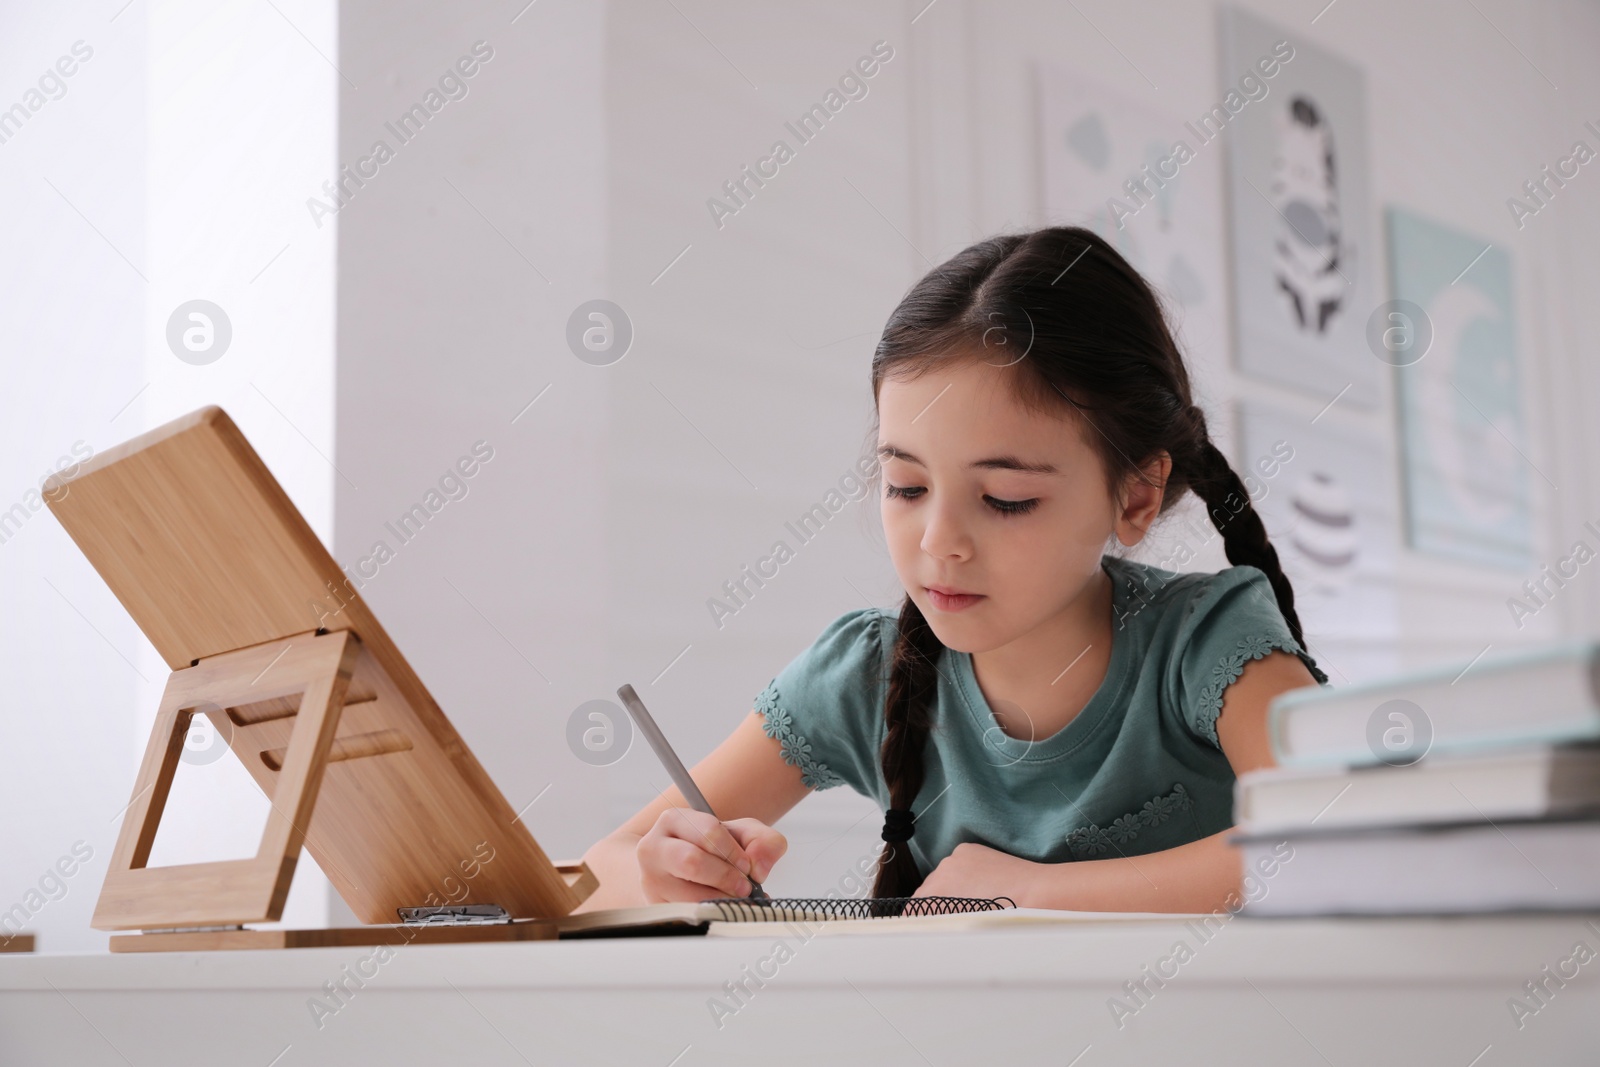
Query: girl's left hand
[{"x": 975, "y": 870}]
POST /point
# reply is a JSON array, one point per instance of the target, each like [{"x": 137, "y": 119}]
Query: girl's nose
[{"x": 945, "y": 536}]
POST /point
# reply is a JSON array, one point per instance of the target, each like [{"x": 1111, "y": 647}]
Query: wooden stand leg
[{"x": 319, "y": 668}]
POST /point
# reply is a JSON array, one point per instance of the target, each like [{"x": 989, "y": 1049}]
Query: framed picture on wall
[
  {"x": 1303, "y": 276},
  {"x": 1327, "y": 498},
  {"x": 1462, "y": 434},
  {"x": 1136, "y": 176}
]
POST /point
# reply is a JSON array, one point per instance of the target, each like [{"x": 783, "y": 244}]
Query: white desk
[{"x": 1276, "y": 992}]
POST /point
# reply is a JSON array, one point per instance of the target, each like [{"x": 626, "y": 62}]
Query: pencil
[{"x": 674, "y": 765}]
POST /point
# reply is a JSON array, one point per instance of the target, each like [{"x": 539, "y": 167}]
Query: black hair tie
[{"x": 897, "y": 825}]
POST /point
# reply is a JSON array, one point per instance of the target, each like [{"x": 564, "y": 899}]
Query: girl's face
[{"x": 987, "y": 499}]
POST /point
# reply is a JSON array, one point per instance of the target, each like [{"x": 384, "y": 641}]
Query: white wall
[
  {"x": 74, "y": 311},
  {"x": 460, "y": 261},
  {"x": 750, "y": 397},
  {"x": 180, "y": 156}
]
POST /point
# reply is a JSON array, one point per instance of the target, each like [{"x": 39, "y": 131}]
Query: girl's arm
[
  {"x": 744, "y": 778},
  {"x": 1200, "y": 876}
]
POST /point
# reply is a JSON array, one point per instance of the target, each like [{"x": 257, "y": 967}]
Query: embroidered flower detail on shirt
[
  {"x": 1093, "y": 840},
  {"x": 1124, "y": 829},
  {"x": 1227, "y": 672},
  {"x": 1089, "y": 841},
  {"x": 1157, "y": 809},
  {"x": 776, "y": 722}
]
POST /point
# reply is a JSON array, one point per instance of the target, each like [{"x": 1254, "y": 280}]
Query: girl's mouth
[{"x": 952, "y": 602}]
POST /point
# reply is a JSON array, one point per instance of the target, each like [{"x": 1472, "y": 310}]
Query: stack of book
[{"x": 1465, "y": 789}]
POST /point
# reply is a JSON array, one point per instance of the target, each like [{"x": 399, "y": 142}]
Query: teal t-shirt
[{"x": 1138, "y": 770}]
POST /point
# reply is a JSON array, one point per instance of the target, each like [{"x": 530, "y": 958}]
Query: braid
[
  {"x": 1244, "y": 537},
  {"x": 913, "y": 678}
]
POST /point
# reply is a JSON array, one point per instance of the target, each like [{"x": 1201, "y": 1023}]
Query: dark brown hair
[{"x": 1081, "y": 327}]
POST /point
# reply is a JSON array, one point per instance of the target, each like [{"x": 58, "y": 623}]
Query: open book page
[{"x": 686, "y": 913}]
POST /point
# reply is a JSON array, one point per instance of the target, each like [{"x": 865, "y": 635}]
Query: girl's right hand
[{"x": 691, "y": 856}]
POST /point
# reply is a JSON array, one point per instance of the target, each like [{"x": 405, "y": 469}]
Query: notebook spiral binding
[{"x": 786, "y": 909}]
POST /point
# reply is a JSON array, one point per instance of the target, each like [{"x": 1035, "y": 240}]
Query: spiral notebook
[
  {"x": 696, "y": 917},
  {"x": 742, "y": 917}
]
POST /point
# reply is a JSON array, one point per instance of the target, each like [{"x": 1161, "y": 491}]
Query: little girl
[{"x": 1039, "y": 720}]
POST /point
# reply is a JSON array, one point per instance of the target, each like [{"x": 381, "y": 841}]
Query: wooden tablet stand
[{"x": 222, "y": 573}]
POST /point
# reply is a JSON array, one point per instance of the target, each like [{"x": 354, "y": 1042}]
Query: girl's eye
[
  {"x": 1012, "y": 507},
  {"x": 1004, "y": 507}
]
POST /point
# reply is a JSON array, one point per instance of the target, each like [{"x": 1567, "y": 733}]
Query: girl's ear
[{"x": 1142, "y": 500}]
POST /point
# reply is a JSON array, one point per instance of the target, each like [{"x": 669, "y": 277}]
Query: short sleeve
[
  {"x": 826, "y": 707},
  {"x": 1232, "y": 619}
]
